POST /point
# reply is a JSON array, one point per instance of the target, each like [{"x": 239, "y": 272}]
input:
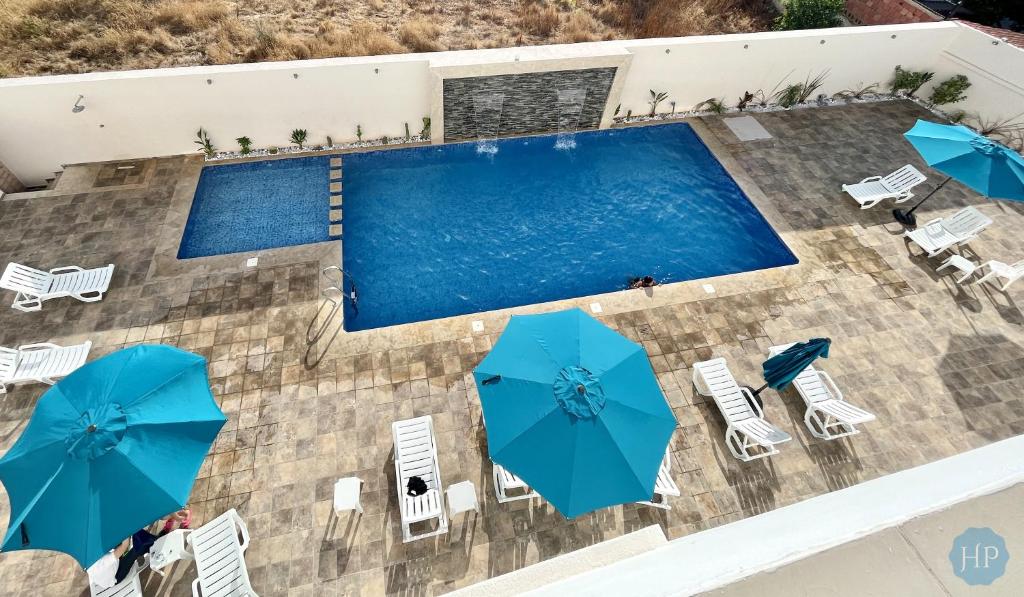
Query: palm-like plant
[
  {"x": 299, "y": 137},
  {"x": 656, "y": 98},
  {"x": 204, "y": 143}
]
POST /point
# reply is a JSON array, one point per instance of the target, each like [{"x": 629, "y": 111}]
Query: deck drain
[
  {"x": 708, "y": 288},
  {"x": 477, "y": 325},
  {"x": 252, "y": 262},
  {"x": 596, "y": 308}
]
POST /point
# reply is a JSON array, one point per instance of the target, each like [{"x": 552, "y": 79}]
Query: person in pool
[{"x": 644, "y": 282}]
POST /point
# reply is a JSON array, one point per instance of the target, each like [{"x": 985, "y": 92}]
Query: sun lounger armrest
[
  {"x": 830, "y": 384},
  {"x": 242, "y": 528},
  {"x": 67, "y": 268},
  {"x": 38, "y": 346},
  {"x": 870, "y": 179},
  {"x": 753, "y": 403},
  {"x": 195, "y": 588},
  {"x": 967, "y": 238},
  {"x": 930, "y": 222}
]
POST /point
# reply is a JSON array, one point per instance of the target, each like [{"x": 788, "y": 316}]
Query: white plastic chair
[
  {"x": 507, "y": 484},
  {"x": 416, "y": 456},
  {"x": 130, "y": 586},
  {"x": 747, "y": 435},
  {"x": 870, "y": 191},
  {"x": 1002, "y": 271},
  {"x": 42, "y": 362},
  {"x": 665, "y": 485},
  {"x": 34, "y": 286},
  {"x": 219, "y": 549},
  {"x": 829, "y": 416},
  {"x": 942, "y": 234}
]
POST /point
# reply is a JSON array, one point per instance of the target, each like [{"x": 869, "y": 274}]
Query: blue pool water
[
  {"x": 433, "y": 232},
  {"x": 258, "y": 205}
]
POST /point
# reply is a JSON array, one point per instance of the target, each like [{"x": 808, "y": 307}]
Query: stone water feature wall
[{"x": 530, "y": 102}]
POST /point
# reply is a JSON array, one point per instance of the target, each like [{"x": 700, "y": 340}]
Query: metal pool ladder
[{"x": 333, "y": 296}]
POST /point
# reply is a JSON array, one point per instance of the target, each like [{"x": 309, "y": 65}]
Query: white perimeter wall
[{"x": 157, "y": 112}]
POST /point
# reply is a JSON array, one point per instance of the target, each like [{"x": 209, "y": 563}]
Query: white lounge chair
[
  {"x": 1000, "y": 270},
  {"x": 665, "y": 485},
  {"x": 34, "y": 286},
  {"x": 43, "y": 362},
  {"x": 130, "y": 585},
  {"x": 504, "y": 481},
  {"x": 416, "y": 456},
  {"x": 829, "y": 415},
  {"x": 870, "y": 191},
  {"x": 219, "y": 549},
  {"x": 746, "y": 427},
  {"x": 942, "y": 234}
]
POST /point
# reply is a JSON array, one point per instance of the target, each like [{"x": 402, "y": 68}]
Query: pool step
[{"x": 334, "y": 185}]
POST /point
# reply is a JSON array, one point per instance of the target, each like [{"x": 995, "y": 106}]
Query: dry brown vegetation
[{"x": 69, "y": 36}]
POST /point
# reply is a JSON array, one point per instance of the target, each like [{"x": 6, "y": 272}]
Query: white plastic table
[
  {"x": 346, "y": 495},
  {"x": 462, "y": 498},
  {"x": 169, "y": 549}
]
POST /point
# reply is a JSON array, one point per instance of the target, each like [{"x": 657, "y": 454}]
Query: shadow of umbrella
[{"x": 982, "y": 373}]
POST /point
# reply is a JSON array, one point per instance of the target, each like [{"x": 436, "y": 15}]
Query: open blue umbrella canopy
[
  {"x": 782, "y": 369},
  {"x": 573, "y": 408},
  {"x": 989, "y": 168},
  {"x": 109, "y": 449}
]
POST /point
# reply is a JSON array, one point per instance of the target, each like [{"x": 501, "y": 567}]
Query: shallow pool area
[
  {"x": 258, "y": 205},
  {"x": 438, "y": 231}
]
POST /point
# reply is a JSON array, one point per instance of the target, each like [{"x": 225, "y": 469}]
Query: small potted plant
[{"x": 299, "y": 137}]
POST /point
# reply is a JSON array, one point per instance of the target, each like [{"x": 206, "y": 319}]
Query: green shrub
[
  {"x": 790, "y": 95},
  {"x": 245, "y": 144},
  {"x": 713, "y": 105},
  {"x": 810, "y": 14},
  {"x": 299, "y": 137},
  {"x": 952, "y": 90},
  {"x": 425, "y": 131},
  {"x": 909, "y": 81}
]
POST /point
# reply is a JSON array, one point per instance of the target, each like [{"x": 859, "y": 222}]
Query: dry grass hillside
[{"x": 71, "y": 36}]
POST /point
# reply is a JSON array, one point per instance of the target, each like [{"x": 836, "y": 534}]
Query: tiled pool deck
[{"x": 941, "y": 366}]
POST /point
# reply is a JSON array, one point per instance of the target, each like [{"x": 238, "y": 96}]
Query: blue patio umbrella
[
  {"x": 989, "y": 168},
  {"x": 109, "y": 449},
  {"x": 573, "y": 408},
  {"x": 782, "y": 369}
]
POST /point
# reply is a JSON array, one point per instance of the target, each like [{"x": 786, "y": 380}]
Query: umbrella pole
[
  {"x": 758, "y": 391},
  {"x": 907, "y": 218}
]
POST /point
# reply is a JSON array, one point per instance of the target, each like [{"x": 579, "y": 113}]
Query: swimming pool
[
  {"x": 432, "y": 232},
  {"x": 258, "y": 205}
]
